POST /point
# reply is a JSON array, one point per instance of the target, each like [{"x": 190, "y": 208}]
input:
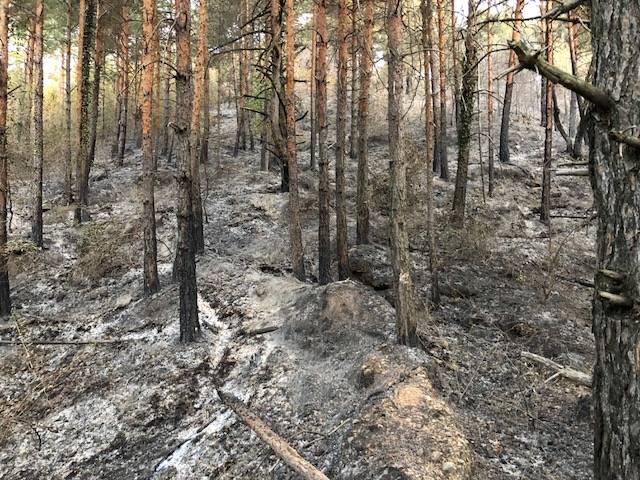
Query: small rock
[
  {"x": 123, "y": 301},
  {"x": 448, "y": 467}
]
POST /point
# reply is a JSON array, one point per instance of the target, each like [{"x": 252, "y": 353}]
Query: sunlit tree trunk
[
  {"x": 324, "y": 235},
  {"x": 405, "y": 302},
  {"x": 196, "y": 112},
  {"x": 37, "y": 123},
  {"x": 151, "y": 282},
  {"x": 5, "y": 299},
  {"x": 341, "y": 147},
  {"x": 366, "y": 67},
  {"x": 185, "y": 264},
  {"x": 295, "y": 229}
]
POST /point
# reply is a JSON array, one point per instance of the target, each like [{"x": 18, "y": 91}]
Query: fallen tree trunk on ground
[
  {"x": 278, "y": 444},
  {"x": 562, "y": 371}
]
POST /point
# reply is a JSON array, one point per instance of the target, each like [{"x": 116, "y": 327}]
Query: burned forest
[{"x": 320, "y": 239}]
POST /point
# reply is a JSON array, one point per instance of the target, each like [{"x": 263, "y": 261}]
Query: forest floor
[{"x": 327, "y": 374}]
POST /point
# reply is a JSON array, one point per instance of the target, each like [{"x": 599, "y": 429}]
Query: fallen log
[
  {"x": 572, "y": 173},
  {"x": 569, "y": 373},
  {"x": 277, "y": 443},
  {"x": 61, "y": 342}
]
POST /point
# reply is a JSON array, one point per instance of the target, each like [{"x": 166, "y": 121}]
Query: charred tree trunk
[
  {"x": 573, "y": 55},
  {"x": 504, "y": 153},
  {"x": 185, "y": 263},
  {"x": 353, "y": 137},
  {"x": 295, "y": 228},
  {"x": 206, "y": 118},
  {"x": 366, "y": 67},
  {"x": 278, "y": 134},
  {"x": 490, "y": 150},
  {"x": 341, "y": 148},
  {"x": 123, "y": 92},
  {"x": 405, "y": 302},
  {"x": 324, "y": 235},
  {"x": 85, "y": 56},
  {"x": 435, "y": 99},
  {"x": 545, "y": 207},
  {"x": 455, "y": 66},
  {"x": 150, "y": 264},
  {"x": 95, "y": 98},
  {"x": 426, "y": 8},
  {"x": 444, "y": 162},
  {"x": 5, "y": 299},
  {"x": 37, "y": 127},
  {"x": 68, "y": 160},
  {"x": 313, "y": 116},
  {"x": 196, "y": 112},
  {"x": 469, "y": 82}
]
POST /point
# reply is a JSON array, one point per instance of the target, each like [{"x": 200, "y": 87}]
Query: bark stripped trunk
[
  {"x": 185, "y": 263},
  {"x": 405, "y": 303},
  {"x": 545, "y": 207},
  {"x": 469, "y": 82},
  {"x": 504, "y": 154},
  {"x": 85, "y": 56},
  {"x": 37, "y": 130},
  {"x": 196, "y": 112},
  {"x": 341, "y": 148},
  {"x": 5, "y": 299},
  {"x": 444, "y": 161},
  {"x": 123, "y": 91},
  {"x": 295, "y": 229},
  {"x": 353, "y": 137},
  {"x": 426, "y": 8},
  {"x": 150, "y": 264},
  {"x": 366, "y": 67},
  {"x": 68, "y": 161},
  {"x": 324, "y": 235}
]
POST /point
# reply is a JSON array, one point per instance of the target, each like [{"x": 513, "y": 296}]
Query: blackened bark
[
  {"x": 185, "y": 264},
  {"x": 341, "y": 126},
  {"x": 37, "y": 127},
  {"x": 5, "y": 299},
  {"x": 68, "y": 160},
  {"x": 123, "y": 92},
  {"x": 353, "y": 137},
  {"x": 442, "y": 144}
]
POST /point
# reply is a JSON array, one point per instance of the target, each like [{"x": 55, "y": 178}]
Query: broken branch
[
  {"x": 277, "y": 443},
  {"x": 566, "y": 372},
  {"x": 532, "y": 61}
]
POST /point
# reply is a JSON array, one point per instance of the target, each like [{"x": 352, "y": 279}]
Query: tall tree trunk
[
  {"x": 455, "y": 67},
  {"x": 68, "y": 161},
  {"x": 504, "y": 154},
  {"x": 313, "y": 115},
  {"x": 342, "y": 247},
  {"x": 5, "y": 299},
  {"x": 277, "y": 103},
  {"x": 366, "y": 67},
  {"x": 426, "y": 8},
  {"x": 185, "y": 264},
  {"x": 151, "y": 281},
  {"x": 444, "y": 162},
  {"x": 295, "y": 229},
  {"x": 166, "y": 114},
  {"x": 196, "y": 112},
  {"x": 324, "y": 235},
  {"x": 435, "y": 99},
  {"x": 206, "y": 118},
  {"x": 573, "y": 55},
  {"x": 27, "y": 121},
  {"x": 353, "y": 137},
  {"x": 469, "y": 82},
  {"x": 614, "y": 177},
  {"x": 405, "y": 302},
  {"x": 243, "y": 72},
  {"x": 123, "y": 92},
  {"x": 545, "y": 208},
  {"x": 95, "y": 95},
  {"x": 37, "y": 129},
  {"x": 490, "y": 151},
  {"x": 86, "y": 39}
]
